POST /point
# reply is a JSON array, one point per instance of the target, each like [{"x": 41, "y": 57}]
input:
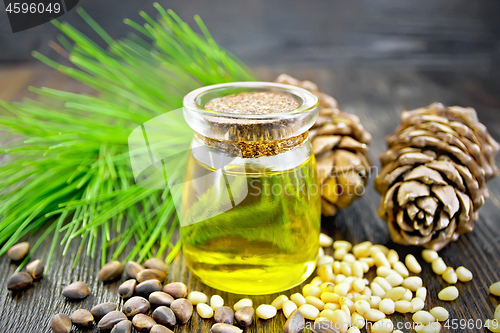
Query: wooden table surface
[{"x": 377, "y": 96}]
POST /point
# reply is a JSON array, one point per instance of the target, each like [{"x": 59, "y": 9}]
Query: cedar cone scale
[
  {"x": 340, "y": 144},
  {"x": 434, "y": 174}
]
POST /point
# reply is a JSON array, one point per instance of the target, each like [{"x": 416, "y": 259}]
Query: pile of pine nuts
[{"x": 342, "y": 295}]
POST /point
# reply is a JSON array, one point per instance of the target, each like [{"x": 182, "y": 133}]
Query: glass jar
[{"x": 250, "y": 217}]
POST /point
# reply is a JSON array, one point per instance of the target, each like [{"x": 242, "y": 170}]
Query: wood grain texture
[{"x": 377, "y": 97}]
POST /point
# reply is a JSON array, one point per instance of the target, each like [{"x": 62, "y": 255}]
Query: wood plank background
[{"x": 377, "y": 96}]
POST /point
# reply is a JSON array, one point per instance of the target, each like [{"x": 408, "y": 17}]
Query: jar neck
[{"x": 254, "y": 149}]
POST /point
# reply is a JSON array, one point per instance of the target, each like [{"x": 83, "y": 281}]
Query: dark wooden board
[{"x": 377, "y": 97}]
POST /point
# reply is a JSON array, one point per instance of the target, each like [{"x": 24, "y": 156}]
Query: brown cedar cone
[
  {"x": 340, "y": 144},
  {"x": 433, "y": 177}
]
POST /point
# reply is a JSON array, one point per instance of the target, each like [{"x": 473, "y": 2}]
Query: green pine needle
[{"x": 66, "y": 166}]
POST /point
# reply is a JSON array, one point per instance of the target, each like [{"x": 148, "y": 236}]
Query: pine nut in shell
[
  {"x": 244, "y": 316},
  {"x": 463, "y": 274},
  {"x": 278, "y": 301},
  {"x": 111, "y": 319},
  {"x": 150, "y": 274},
  {"x": 183, "y": 309},
  {"x": 19, "y": 251},
  {"x": 155, "y": 263},
  {"x": 136, "y": 305},
  {"x": 160, "y": 329},
  {"x": 495, "y": 288},
  {"x": 225, "y": 328},
  {"x": 35, "y": 269},
  {"x": 176, "y": 290},
  {"x": 448, "y": 294},
  {"x": 76, "y": 290},
  {"x": 160, "y": 298},
  {"x": 412, "y": 264},
  {"x": 61, "y": 323},
  {"x": 147, "y": 287},
  {"x": 164, "y": 316},
  {"x": 127, "y": 288},
  {"x": 100, "y": 310},
  {"x": 440, "y": 313},
  {"x": 224, "y": 315},
  {"x": 295, "y": 322},
  {"x": 423, "y": 317},
  {"x": 19, "y": 281},
  {"x": 242, "y": 303},
  {"x": 110, "y": 271},
  {"x": 288, "y": 308},
  {"x": 82, "y": 317},
  {"x": 216, "y": 302},
  {"x": 143, "y": 323},
  {"x": 205, "y": 311},
  {"x": 124, "y": 326},
  {"x": 132, "y": 268}
]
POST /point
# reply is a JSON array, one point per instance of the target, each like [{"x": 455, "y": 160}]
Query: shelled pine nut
[
  {"x": 242, "y": 303},
  {"x": 429, "y": 255},
  {"x": 383, "y": 326},
  {"x": 402, "y": 306},
  {"x": 463, "y": 274},
  {"x": 412, "y": 264},
  {"x": 387, "y": 306},
  {"x": 417, "y": 304},
  {"x": 216, "y": 302},
  {"x": 421, "y": 293},
  {"x": 278, "y": 301},
  {"x": 450, "y": 276},
  {"x": 401, "y": 269},
  {"x": 196, "y": 297},
  {"x": 440, "y": 313},
  {"x": 423, "y": 317},
  {"x": 265, "y": 311},
  {"x": 438, "y": 266},
  {"x": 309, "y": 311},
  {"x": 449, "y": 294},
  {"x": 204, "y": 310},
  {"x": 325, "y": 240},
  {"x": 288, "y": 308},
  {"x": 495, "y": 288},
  {"x": 298, "y": 299}
]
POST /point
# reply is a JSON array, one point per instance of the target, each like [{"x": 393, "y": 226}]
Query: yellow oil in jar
[{"x": 266, "y": 243}]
